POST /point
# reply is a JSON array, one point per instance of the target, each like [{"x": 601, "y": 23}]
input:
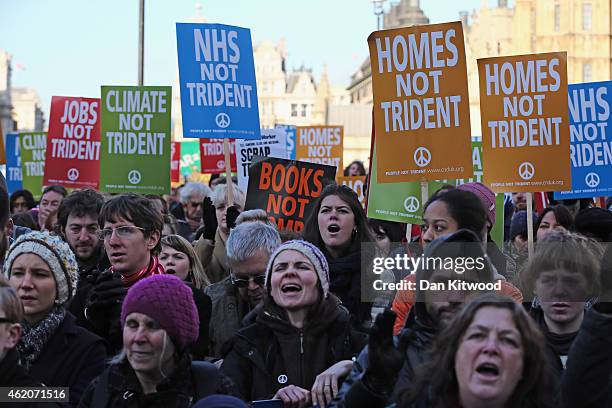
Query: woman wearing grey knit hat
[
  {"x": 302, "y": 344},
  {"x": 43, "y": 270}
]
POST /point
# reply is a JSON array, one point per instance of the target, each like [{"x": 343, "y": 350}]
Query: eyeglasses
[
  {"x": 6, "y": 320},
  {"x": 259, "y": 280},
  {"x": 124, "y": 231},
  {"x": 195, "y": 204}
]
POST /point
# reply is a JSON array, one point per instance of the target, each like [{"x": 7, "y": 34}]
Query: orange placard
[
  {"x": 421, "y": 105},
  {"x": 525, "y": 126},
  {"x": 355, "y": 183},
  {"x": 320, "y": 144}
]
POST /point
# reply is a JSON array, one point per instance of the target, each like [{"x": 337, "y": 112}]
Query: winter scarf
[
  {"x": 154, "y": 268},
  {"x": 35, "y": 338}
]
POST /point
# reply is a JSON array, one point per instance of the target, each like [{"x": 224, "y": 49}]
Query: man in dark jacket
[
  {"x": 586, "y": 380},
  {"x": 374, "y": 380},
  {"x": 563, "y": 274},
  {"x": 248, "y": 249},
  {"x": 78, "y": 220}
]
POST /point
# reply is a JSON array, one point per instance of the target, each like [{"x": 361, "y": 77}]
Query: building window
[
  {"x": 557, "y": 18},
  {"x": 294, "y": 110},
  {"x": 587, "y": 16},
  {"x": 304, "y": 107},
  {"x": 587, "y": 72}
]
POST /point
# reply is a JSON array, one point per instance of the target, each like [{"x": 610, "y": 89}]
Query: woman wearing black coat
[
  {"x": 301, "y": 345},
  {"x": 57, "y": 352}
]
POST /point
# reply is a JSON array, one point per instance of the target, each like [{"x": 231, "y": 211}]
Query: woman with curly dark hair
[
  {"x": 492, "y": 354},
  {"x": 356, "y": 168}
]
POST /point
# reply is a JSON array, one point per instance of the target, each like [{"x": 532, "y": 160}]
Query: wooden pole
[
  {"x": 228, "y": 173},
  {"x": 530, "y": 224}
]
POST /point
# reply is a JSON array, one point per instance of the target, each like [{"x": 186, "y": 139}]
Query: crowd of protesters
[{"x": 151, "y": 301}]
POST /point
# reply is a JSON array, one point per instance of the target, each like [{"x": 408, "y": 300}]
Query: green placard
[
  {"x": 401, "y": 202},
  {"x": 135, "y": 134},
  {"x": 33, "y": 146},
  {"x": 190, "y": 158}
]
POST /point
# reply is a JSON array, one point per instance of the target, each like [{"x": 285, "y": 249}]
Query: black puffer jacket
[
  {"x": 271, "y": 354},
  {"x": 189, "y": 382},
  {"x": 118, "y": 387}
]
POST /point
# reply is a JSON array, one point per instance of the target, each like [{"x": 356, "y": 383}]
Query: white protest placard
[{"x": 273, "y": 143}]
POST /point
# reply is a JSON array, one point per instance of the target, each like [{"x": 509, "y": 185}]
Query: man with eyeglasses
[
  {"x": 192, "y": 195},
  {"x": 78, "y": 220},
  {"x": 130, "y": 229},
  {"x": 249, "y": 247}
]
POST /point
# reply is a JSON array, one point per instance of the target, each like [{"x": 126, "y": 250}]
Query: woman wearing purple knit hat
[
  {"x": 154, "y": 369},
  {"x": 302, "y": 343}
]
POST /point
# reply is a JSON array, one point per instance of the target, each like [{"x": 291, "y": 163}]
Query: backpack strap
[{"x": 206, "y": 379}]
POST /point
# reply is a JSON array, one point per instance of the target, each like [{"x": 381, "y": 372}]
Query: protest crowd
[{"x": 279, "y": 286}]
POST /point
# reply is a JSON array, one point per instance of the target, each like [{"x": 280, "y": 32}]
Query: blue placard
[
  {"x": 591, "y": 140},
  {"x": 217, "y": 80},
  {"x": 290, "y": 132},
  {"x": 13, "y": 163}
]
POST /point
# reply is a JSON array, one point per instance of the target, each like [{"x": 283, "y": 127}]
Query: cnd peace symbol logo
[
  {"x": 422, "y": 156},
  {"x": 222, "y": 120},
  {"x": 282, "y": 379},
  {"x": 134, "y": 177},
  {"x": 221, "y": 164},
  {"x": 411, "y": 204},
  {"x": 592, "y": 180},
  {"x": 526, "y": 171},
  {"x": 73, "y": 174}
]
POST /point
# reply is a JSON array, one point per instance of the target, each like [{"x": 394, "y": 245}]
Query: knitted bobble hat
[
  {"x": 314, "y": 255},
  {"x": 486, "y": 196},
  {"x": 55, "y": 253},
  {"x": 168, "y": 301}
]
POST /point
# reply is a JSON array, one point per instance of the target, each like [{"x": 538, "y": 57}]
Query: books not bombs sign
[
  {"x": 421, "y": 106},
  {"x": 287, "y": 189},
  {"x": 135, "y": 133}
]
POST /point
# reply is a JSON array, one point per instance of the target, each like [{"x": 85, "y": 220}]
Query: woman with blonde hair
[
  {"x": 154, "y": 368},
  {"x": 178, "y": 258},
  {"x": 219, "y": 217}
]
